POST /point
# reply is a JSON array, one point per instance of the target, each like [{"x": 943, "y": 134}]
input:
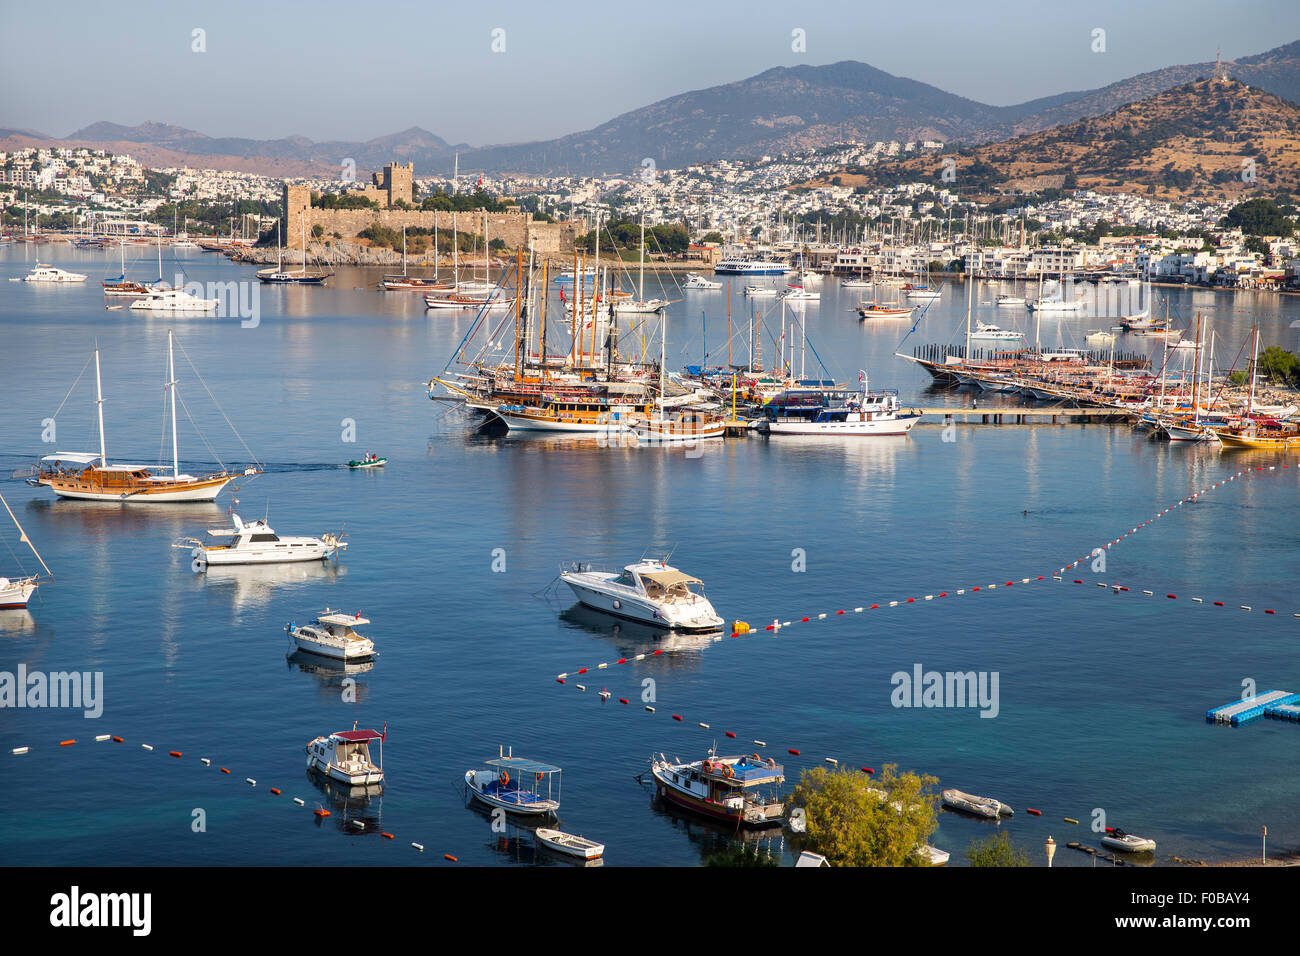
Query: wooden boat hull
[
  {"x": 161, "y": 493},
  {"x": 1230, "y": 440}
]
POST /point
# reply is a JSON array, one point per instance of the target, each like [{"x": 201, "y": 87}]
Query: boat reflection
[
  {"x": 251, "y": 585},
  {"x": 353, "y": 809},
  {"x": 517, "y": 840},
  {"x": 711, "y": 837},
  {"x": 331, "y": 673},
  {"x": 634, "y": 637}
]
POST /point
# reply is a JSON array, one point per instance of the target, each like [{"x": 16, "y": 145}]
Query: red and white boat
[{"x": 743, "y": 791}]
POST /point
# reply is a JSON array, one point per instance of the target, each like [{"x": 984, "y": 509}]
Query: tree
[
  {"x": 996, "y": 850},
  {"x": 714, "y": 236},
  {"x": 1281, "y": 367},
  {"x": 317, "y": 231},
  {"x": 1258, "y": 217},
  {"x": 854, "y": 820}
]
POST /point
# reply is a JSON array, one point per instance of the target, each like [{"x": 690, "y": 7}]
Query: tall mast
[
  {"x": 99, "y": 403},
  {"x": 171, "y": 388},
  {"x": 640, "y": 290},
  {"x": 455, "y": 250},
  {"x": 970, "y": 292},
  {"x": 546, "y": 275},
  {"x": 1254, "y": 361}
]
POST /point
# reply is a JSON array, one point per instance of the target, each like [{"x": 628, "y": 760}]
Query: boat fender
[{"x": 618, "y": 605}]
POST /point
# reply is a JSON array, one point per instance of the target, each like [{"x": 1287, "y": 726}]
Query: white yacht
[
  {"x": 837, "y": 412},
  {"x": 696, "y": 281},
  {"x": 174, "y": 300},
  {"x": 649, "y": 591},
  {"x": 345, "y": 756},
  {"x": 759, "y": 291},
  {"x": 1056, "y": 303},
  {"x": 332, "y": 635},
  {"x": 1008, "y": 301},
  {"x": 992, "y": 333},
  {"x": 51, "y": 274},
  {"x": 257, "y": 543},
  {"x": 797, "y": 293}
]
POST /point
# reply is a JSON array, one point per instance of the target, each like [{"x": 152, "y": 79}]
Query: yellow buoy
[{"x": 740, "y": 627}]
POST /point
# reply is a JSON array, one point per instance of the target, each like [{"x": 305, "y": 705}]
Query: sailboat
[
  {"x": 641, "y": 305},
  {"x": 90, "y": 477},
  {"x": 410, "y": 283},
  {"x": 681, "y": 426},
  {"x": 121, "y": 287},
  {"x": 278, "y": 275},
  {"x": 15, "y": 592}
]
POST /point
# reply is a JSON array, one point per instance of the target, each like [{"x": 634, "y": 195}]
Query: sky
[{"x": 352, "y": 71}]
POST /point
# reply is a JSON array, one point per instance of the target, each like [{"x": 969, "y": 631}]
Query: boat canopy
[
  {"x": 342, "y": 620},
  {"x": 522, "y": 765},
  {"x": 76, "y": 457},
  {"x": 359, "y": 736},
  {"x": 669, "y": 578}
]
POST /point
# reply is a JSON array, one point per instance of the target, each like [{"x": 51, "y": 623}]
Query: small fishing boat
[
  {"x": 570, "y": 844},
  {"x": 985, "y": 807},
  {"x": 370, "y": 461},
  {"x": 760, "y": 290},
  {"x": 1117, "y": 839},
  {"x": 345, "y": 756},
  {"x": 882, "y": 310},
  {"x": 1099, "y": 337},
  {"x": 257, "y": 543},
  {"x": 515, "y": 784},
  {"x": 332, "y": 635},
  {"x": 696, "y": 281},
  {"x": 652, "y": 592},
  {"x": 745, "y": 791},
  {"x": 933, "y": 855}
]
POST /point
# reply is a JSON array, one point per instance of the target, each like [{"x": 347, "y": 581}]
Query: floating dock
[{"x": 1251, "y": 708}]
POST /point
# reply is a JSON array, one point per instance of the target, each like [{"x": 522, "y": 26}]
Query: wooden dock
[{"x": 1024, "y": 416}]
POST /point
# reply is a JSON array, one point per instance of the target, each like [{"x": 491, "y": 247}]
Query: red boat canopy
[{"x": 357, "y": 735}]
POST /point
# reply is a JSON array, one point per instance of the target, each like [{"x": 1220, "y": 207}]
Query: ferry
[
  {"x": 743, "y": 791},
  {"x": 345, "y": 756},
  {"x": 651, "y": 592},
  {"x": 737, "y": 265},
  {"x": 515, "y": 784}
]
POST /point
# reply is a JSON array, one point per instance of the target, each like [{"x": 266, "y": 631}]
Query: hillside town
[{"x": 783, "y": 204}]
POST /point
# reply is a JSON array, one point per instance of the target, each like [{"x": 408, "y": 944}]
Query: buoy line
[{"x": 319, "y": 813}]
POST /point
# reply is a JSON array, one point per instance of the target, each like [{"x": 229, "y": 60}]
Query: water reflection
[
  {"x": 353, "y": 809},
  {"x": 250, "y": 586}
]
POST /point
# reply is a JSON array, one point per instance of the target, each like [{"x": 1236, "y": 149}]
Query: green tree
[
  {"x": 996, "y": 850},
  {"x": 713, "y": 236},
  {"x": 1281, "y": 367},
  {"x": 317, "y": 231},
  {"x": 1258, "y": 217},
  {"x": 854, "y": 820}
]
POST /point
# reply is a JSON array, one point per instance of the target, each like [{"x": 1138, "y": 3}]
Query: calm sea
[{"x": 1101, "y": 697}]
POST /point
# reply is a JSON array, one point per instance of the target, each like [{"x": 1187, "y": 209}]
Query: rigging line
[
  {"x": 251, "y": 456},
  {"x": 74, "y": 385},
  {"x": 190, "y": 419},
  {"x": 23, "y": 537}
]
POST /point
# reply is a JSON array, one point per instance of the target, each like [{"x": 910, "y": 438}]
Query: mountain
[
  {"x": 781, "y": 109},
  {"x": 1196, "y": 140}
]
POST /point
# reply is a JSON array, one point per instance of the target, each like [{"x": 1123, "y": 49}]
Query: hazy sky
[{"x": 353, "y": 71}]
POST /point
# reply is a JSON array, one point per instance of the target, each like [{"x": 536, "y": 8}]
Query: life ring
[
  {"x": 539, "y": 776},
  {"x": 726, "y": 770},
  {"x": 505, "y": 777}
]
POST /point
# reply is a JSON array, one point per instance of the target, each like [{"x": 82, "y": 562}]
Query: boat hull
[
  {"x": 15, "y": 595},
  {"x": 642, "y": 610},
  {"x": 877, "y": 427},
  {"x": 335, "y": 772},
  {"x": 197, "y": 491}
]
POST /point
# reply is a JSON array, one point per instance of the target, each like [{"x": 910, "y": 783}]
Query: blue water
[{"x": 1102, "y": 695}]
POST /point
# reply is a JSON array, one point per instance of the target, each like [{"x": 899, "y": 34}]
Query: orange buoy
[
  {"x": 793, "y": 751},
  {"x": 117, "y": 740},
  {"x": 729, "y": 733},
  {"x": 174, "y": 753},
  {"x": 677, "y": 716},
  {"x": 582, "y": 670},
  {"x": 66, "y": 743},
  {"x": 867, "y": 770},
  {"x": 275, "y": 791},
  {"x": 622, "y": 700},
  {"x": 321, "y": 813},
  {"x": 387, "y": 836},
  {"x": 448, "y": 856},
  {"x": 224, "y": 770},
  {"x": 1037, "y": 813}
]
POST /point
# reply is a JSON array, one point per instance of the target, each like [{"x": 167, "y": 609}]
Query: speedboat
[
  {"x": 985, "y": 807},
  {"x": 345, "y": 756},
  {"x": 515, "y": 784},
  {"x": 1117, "y": 839},
  {"x": 257, "y": 543},
  {"x": 649, "y": 591},
  {"x": 570, "y": 844},
  {"x": 835, "y": 412},
  {"x": 51, "y": 274},
  {"x": 332, "y": 635},
  {"x": 370, "y": 461},
  {"x": 744, "y": 791},
  {"x": 696, "y": 281}
]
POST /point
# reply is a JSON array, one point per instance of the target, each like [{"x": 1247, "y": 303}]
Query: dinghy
[
  {"x": 1117, "y": 839},
  {"x": 370, "y": 461},
  {"x": 569, "y": 844},
  {"x": 985, "y": 807}
]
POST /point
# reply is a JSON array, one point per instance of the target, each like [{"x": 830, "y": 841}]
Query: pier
[
  {"x": 1251, "y": 708},
  {"x": 1026, "y": 416}
]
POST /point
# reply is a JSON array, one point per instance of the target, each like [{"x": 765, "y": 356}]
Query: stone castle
[{"x": 397, "y": 185}]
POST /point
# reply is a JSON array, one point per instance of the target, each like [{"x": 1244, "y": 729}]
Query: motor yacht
[{"x": 648, "y": 591}]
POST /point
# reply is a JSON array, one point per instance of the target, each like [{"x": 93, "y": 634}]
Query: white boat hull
[
  {"x": 351, "y": 778},
  {"x": 880, "y": 426},
  {"x": 525, "y": 423},
  {"x": 353, "y": 652},
  {"x": 475, "y": 779},
  {"x": 221, "y": 557},
  {"x": 15, "y": 594},
  {"x": 698, "y": 616},
  {"x": 205, "y": 492}
]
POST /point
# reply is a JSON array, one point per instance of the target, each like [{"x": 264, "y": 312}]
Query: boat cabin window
[
  {"x": 264, "y": 537},
  {"x": 627, "y": 579}
]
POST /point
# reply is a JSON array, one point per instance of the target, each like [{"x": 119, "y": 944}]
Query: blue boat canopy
[{"x": 522, "y": 765}]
